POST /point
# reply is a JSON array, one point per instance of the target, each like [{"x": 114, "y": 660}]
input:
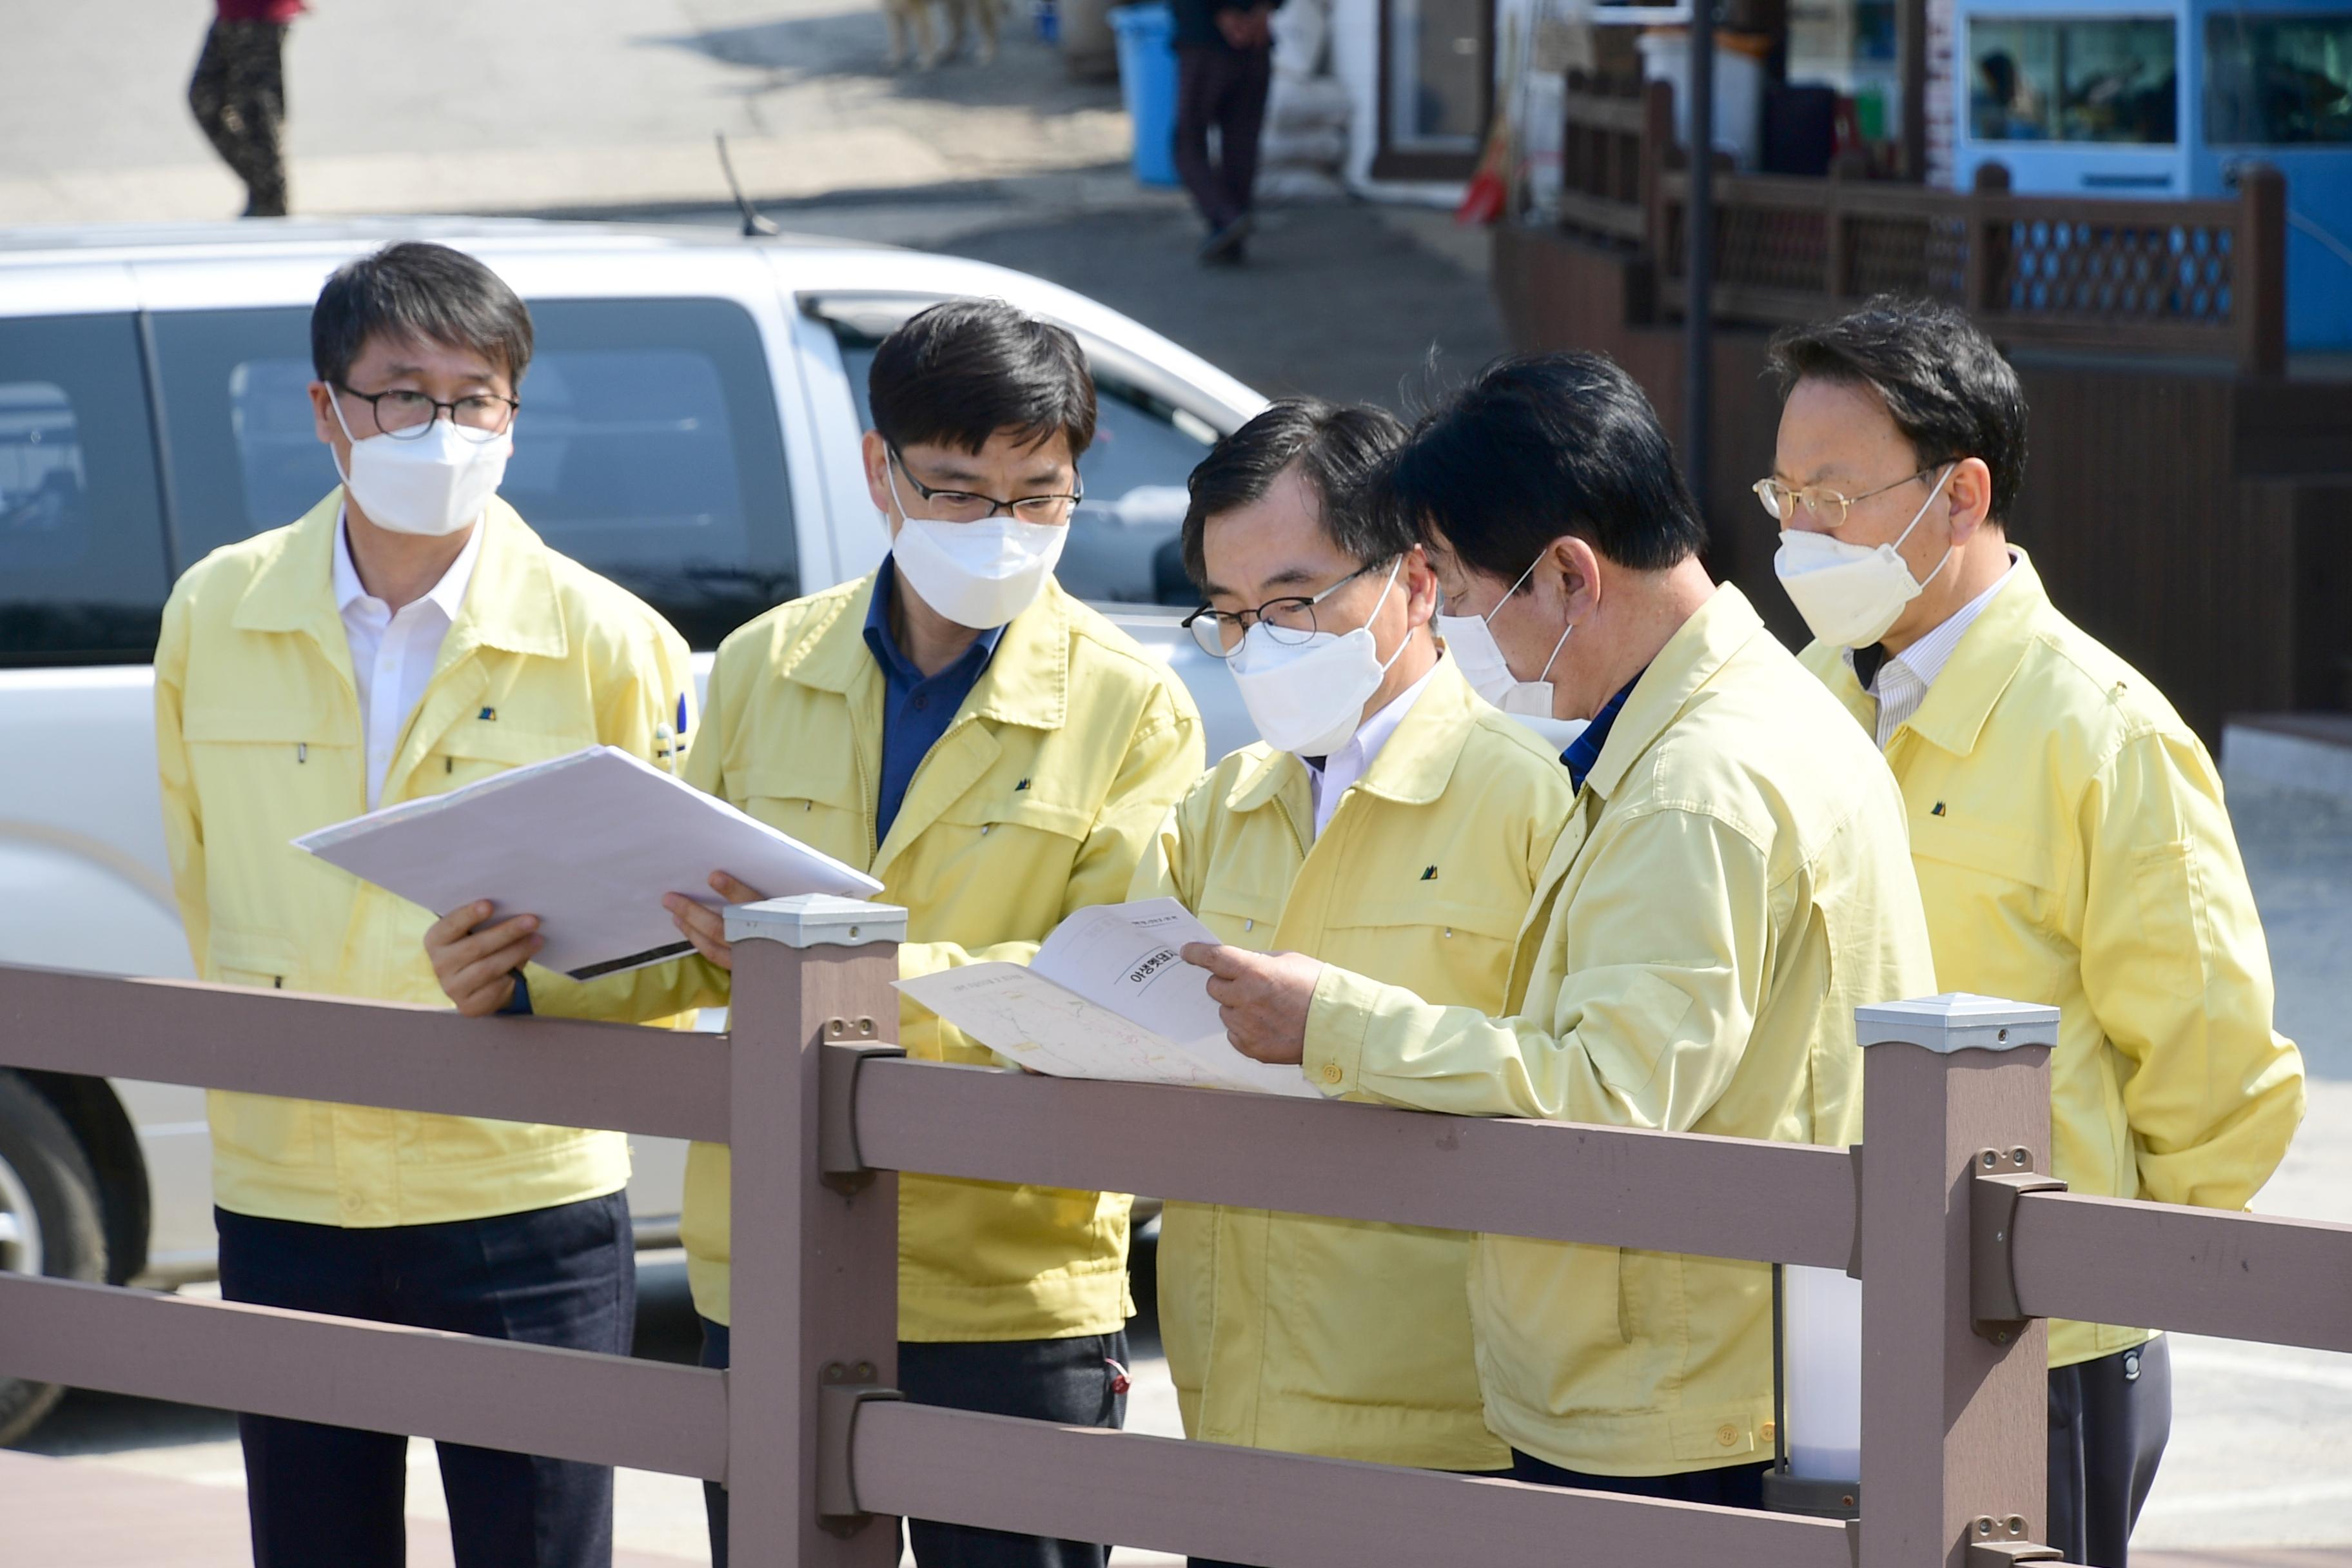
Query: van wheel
[{"x": 49, "y": 1223}]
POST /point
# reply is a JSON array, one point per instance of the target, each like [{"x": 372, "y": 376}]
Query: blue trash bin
[{"x": 1147, "y": 79}]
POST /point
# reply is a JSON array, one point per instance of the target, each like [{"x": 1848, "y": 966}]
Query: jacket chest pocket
[
  {"x": 476, "y": 749},
  {"x": 257, "y": 742},
  {"x": 1241, "y": 917},
  {"x": 821, "y": 803},
  {"x": 1964, "y": 867},
  {"x": 1454, "y": 952}
]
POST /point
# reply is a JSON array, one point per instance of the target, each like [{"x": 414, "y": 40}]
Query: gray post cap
[
  {"x": 1956, "y": 1021},
  {"x": 816, "y": 920}
]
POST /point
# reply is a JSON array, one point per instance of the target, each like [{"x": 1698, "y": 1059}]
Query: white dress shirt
[
  {"x": 1351, "y": 761},
  {"x": 1902, "y": 680},
  {"x": 394, "y": 656}
]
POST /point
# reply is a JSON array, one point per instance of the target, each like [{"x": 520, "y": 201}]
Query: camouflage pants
[{"x": 238, "y": 94}]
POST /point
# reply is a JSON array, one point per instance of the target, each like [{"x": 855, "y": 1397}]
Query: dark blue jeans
[
  {"x": 1064, "y": 1381},
  {"x": 563, "y": 1275}
]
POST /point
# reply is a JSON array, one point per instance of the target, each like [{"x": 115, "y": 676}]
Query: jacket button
[
  {"x": 1727, "y": 1434},
  {"x": 1331, "y": 1073},
  {"x": 1249, "y": 925},
  {"x": 351, "y": 1201}
]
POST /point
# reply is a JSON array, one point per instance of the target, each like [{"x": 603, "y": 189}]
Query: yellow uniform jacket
[{"x": 1338, "y": 1337}]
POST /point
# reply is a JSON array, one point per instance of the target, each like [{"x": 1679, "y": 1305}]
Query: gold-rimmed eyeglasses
[{"x": 1828, "y": 507}]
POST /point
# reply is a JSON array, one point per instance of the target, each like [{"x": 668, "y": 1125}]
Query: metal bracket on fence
[
  {"x": 848, "y": 1044},
  {"x": 1999, "y": 1543},
  {"x": 1998, "y": 1180},
  {"x": 845, "y": 1388}
]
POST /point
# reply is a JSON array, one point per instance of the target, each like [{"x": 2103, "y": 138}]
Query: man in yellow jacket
[
  {"x": 410, "y": 635},
  {"x": 1390, "y": 821},
  {"x": 999, "y": 756},
  {"x": 1731, "y": 884},
  {"x": 2067, "y": 827}
]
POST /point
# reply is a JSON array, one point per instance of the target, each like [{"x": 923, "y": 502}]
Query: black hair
[
  {"x": 964, "y": 371},
  {"x": 414, "y": 290},
  {"x": 1340, "y": 453},
  {"x": 1537, "y": 446},
  {"x": 1945, "y": 385}
]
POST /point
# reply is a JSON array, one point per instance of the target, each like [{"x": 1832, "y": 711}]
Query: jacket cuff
[{"x": 1338, "y": 1016}]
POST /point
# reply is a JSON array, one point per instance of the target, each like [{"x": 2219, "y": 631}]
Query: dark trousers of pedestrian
[
  {"x": 238, "y": 94},
  {"x": 317, "y": 1495},
  {"x": 1732, "y": 1485},
  {"x": 1072, "y": 1383},
  {"x": 1226, "y": 89},
  {"x": 2109, "y": 1419},
  {"x": 1221, "y": 1562}
]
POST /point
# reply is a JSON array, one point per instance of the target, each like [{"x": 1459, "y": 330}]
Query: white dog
[{"x": 937, "y": 29}]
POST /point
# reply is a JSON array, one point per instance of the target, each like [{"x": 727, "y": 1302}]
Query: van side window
[
  {"x": 82, "y": 574},
  {"x": 1125, "y": 546},
  {"x": 648, "y": 448}
]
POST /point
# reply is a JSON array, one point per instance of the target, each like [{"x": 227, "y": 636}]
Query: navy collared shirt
[
  {"x": 1585, "y": 750},
  {"x": 916, "y": 708}
]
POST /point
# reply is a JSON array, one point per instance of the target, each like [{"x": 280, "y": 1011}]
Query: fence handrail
[
  {"x": 401, "y": 1056},
  {"x": 1559, "y": 1180},
  {"x": 2279, "y": 1280}
]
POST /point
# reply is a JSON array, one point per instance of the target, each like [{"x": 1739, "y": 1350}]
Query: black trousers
[
  {"x": 2109, "y": 1419},
  {"x": 1733, "y": 1486},
  {"x": 563, "y": 1275},
  {"x": 1226, "y": 89},
  {"x": 1074, "y": 1381},
  {"x": 238, "y": 96}
]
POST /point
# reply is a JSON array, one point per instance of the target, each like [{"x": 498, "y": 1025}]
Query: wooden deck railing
[
  {"x": 2192, "y": 277},
  {"x": 1961, "y": 1249}
]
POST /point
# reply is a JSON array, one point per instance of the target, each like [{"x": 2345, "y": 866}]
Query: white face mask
[
  {"x": 1307, "y": 698},
  {"x": 1850, "y": 594},
  {"x": 1471, "y": 641},
  {"x": 979, "y": 574},
  {"x": 434, "y": 484}
]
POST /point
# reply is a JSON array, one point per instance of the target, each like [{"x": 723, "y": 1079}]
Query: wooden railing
[
  {"x": 1961, "y": 1247},
  {"x": 2204, "y": 278}
]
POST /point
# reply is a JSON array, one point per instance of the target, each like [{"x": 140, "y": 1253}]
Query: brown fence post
[
  {"x": 1658, "y": 148},
  {"x": 2258, "y": 275},
  {"x": 1954, "y": 1423},
  {"x": 815, "y": 1296}
]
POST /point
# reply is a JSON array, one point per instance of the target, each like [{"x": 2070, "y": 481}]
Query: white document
[
  {"x": 1109, "y": 995},
  {"x": 589, "y": 842}
]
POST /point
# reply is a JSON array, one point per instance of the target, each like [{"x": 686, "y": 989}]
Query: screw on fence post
[
  {"x": 1954, "y": 1424},
  {"x": 815, "y": 1268}
]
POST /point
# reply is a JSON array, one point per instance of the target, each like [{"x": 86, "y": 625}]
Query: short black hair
[
  {"x": 414, "y": 290},
  {"x": 1340, "y": 453},
  {"x": 1945, "y": 385},
  {"x": 964, "y": 371},
  {"x": 1537, "y": 446}
]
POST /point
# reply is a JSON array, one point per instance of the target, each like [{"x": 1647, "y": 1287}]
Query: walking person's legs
[
  {"x": 1200, "y": 78},
  {"x": 1241, "y": 125},
  {"x": 238, "y": 97}
]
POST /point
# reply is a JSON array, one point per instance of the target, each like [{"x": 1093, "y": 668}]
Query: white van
[{"x": 690, "y": 428}]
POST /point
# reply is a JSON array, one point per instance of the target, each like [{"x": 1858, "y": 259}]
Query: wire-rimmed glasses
[
  {"x": 1289, "y": 620},
  {"x": 1829, "y": 506}
]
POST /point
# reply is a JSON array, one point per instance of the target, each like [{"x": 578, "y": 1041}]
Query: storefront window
[
  {"x": 2107, "y": 80},
  {"x": 2278, "y": 81}
]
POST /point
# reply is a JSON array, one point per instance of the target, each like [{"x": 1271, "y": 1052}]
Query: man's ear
[
  {"x": 1419, "y": 581},
  {"x": 1575, "y": 567},
  {"x": 1970, "y": 495},
  {"x": 875, "y": 454}
]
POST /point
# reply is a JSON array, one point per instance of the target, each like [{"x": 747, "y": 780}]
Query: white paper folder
[{"x": 589, "y": 842}]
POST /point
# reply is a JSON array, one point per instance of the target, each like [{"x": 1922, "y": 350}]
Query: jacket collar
[
  {"x": 1412, "y": 769},
  {"x": 1986, "y": 660},
  {"x": 510, "y": 604},
  {"x": 1027, "y": 681},
  {"x": 1692, "y": 657}
]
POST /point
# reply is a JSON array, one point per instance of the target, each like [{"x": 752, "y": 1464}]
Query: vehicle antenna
[{"x": 754, "y": 225}]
